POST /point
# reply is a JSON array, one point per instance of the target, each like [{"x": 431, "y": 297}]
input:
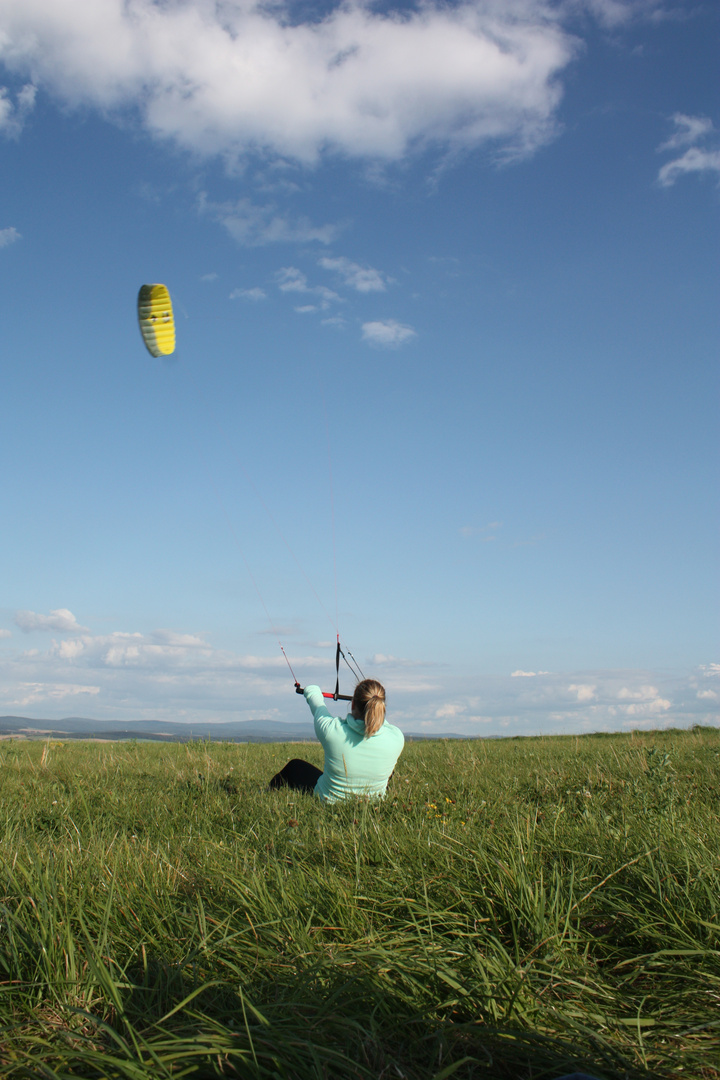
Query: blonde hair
[{"x": 369, "y": 699}]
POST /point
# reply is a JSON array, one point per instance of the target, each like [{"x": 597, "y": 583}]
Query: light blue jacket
[{"x": 354, "y": 765}]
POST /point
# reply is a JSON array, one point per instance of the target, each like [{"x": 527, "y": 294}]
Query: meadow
[{"x": 515, "y": 909}]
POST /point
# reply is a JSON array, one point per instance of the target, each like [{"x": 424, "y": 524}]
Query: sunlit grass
[{"x": 514, "y": 909}]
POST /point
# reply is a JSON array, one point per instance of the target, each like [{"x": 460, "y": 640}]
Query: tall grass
[{"x": 514, "y": 909}]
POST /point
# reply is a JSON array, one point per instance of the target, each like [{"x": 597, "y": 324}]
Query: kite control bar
[{"x": 335, "y": 697}]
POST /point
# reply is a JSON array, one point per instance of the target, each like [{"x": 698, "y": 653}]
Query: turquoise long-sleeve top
[{"x": 354, "y": 765}]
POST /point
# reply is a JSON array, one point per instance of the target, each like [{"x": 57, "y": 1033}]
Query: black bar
[{"x": 335, "y": 697}]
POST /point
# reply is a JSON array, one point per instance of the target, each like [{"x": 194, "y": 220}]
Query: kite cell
[{"x": 155, "y": 316}]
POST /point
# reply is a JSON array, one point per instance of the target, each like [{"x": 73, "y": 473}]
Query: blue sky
[{"x": 445, "y": 281}]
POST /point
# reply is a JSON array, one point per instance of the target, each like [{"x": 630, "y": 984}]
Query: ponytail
[{"x": 369, "y": 699}]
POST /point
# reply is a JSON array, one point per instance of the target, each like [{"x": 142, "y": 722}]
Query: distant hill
[{"x": 79, "y": 727}]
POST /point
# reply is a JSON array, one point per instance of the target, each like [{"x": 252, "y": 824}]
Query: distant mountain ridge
[{"x": 80, "y": 727}]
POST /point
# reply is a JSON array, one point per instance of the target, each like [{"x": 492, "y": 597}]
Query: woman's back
[{"x": 355, "y": 763}]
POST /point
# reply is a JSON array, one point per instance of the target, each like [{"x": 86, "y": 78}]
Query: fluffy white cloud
[
  {"x": 528, "y": 674},
  {"x": 689, "y": 130},
  {"x": 644, "y": 692},
  {"x": 243, "y": 76},
  {"x": 68, "y": 650},
  {"x": 34, "y": 693},
  {"x": 646, "y": 703},
  {"x": 13, "y": 116},
  {"x": 582, "y": 691},
  {"x": 8, "y": 236},
  {"x": 362, "y": 278},
  {"x": 292, "y": 280},
  {"x": 60, "y": 619},
  {"x": 164, "y": 674},
  {"x": 175, "y": 674},
  {"x": 451, "y": 709},
  {"x": 592, "y": 701},
  {"x": 5, "y": 634},
  {"x": 387, "y": 333},
  {"x": 647, "y": 710},
  {"x": 615, "y": 13},
  {"x": 694, "y": 160}
]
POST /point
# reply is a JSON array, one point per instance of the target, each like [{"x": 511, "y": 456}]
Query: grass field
[{"x": 514, "y": 909}]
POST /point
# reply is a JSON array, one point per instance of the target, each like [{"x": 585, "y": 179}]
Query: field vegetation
[{"x": 515, "y": 909}]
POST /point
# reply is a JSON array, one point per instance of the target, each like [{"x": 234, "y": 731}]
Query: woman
[{"x": 360, "y": 751}]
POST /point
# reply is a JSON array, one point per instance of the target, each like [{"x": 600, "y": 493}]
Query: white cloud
[
  {"x": 615, "y": 13},
  {"x": 449, "y": 710},
  {"x": 689, "y": 130},
  {"x": 523, "y": 704},
  {"x": 8, "y": 236},
  {"x": 646, "y": 703},
  {"x": 5, "y": 634},
  {"x": 647, "y": 709},
  {"x": 32, "y": 693},
  {"x": 362, "y": 278},
  {"x": 185, "y": 641},
  {"x": 245, "y": 76},
  {"x": 59, "y": 619},
  {"x": 708, "y": 695},
  {"x": 68, "y": 650},
  {"x": 252, "y": 225},
  {"x": 209, "y": 277},
  {"x": 13, "y": 116},
  {"x": 388, "y": 333},
  {"x": 290, "y": 279},
  {"x": 382, "y": 659},
  {"x": 249, "y": 294},
  {"x": 693, "y": 160},
  {"x": 177, "y": 674},
  {"x": 639, "y": 693},
  {"x": 582, "y": 691},
  {"x": 165, "y": 674}
]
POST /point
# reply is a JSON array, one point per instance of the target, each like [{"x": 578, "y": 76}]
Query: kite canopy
[{"x": 155, "y": 316}]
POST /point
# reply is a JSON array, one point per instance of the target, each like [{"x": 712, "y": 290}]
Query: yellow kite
[{"x": 155, "y": 316}]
